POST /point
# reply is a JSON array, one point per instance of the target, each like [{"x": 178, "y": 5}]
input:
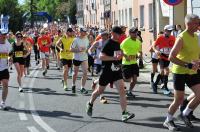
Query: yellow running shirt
[
  {"x": 66, "y": 44},
  {"x": 130, "y": 48},
  {"x": 189, "y": 52}
]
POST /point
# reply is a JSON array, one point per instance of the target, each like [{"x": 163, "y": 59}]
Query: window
[
  {"x": 122, "y": 17},
  {"x": 142, "y": 16},
  {"x": 150, "y": 16}
]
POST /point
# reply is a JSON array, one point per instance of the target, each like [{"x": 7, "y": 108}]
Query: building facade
[{"x": 79, "y": 13}]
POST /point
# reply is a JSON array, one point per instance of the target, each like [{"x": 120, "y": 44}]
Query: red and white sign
[{"x": 172, "y": 2}]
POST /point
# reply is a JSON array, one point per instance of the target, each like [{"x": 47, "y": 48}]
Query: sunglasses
[{"x": 19, "y": 36}]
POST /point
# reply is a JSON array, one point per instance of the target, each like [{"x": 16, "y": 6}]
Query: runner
[
  {"x": 185, "y": 59},
  {"x": 162, "y": 48},
  {"x": 155, "y": 61},
  {"x": 36, "y": 48},
  {"x": 132, "y": 48},
  {"x": 79, "y": 47},
  {"x": 64, "y": 44},
  {"x": 57, "y": 49},
  {"x": 19, "y": 53},
  {"x": 110, "y": 56},
  {"x": 44, "y": 43},
  {"x": 95, "y": 51},
  {"x": 5, "y": 49}
]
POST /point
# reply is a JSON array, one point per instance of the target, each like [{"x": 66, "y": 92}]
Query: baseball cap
[
  {"x": 168, "y": 27},
  {"x": 18, "y": 33},
  {"x": 83, "y": 29},
  {"x": 69, "y": 30},
  {"x": 133, "y": 30},
  {"x": 117, "y": 30}
]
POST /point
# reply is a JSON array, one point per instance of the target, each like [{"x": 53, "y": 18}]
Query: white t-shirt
[
  {"x": 81, "y": 44},
  {"x": 4, "y": 52}
]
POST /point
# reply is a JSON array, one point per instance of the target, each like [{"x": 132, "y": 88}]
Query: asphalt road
[{"x": 46, "y": 107}]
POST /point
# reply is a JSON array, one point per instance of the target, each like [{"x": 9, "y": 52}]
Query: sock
[
  {"x": 157, "y": 79},
  {"x": 169, "y": 117},
  {"x": 123, "y": 112},
  {"x": 165, "y": 80},
  {"x": 183, "y": 106},
  {"x": 187, "y": 111},
  {"x": 152, "y": 76}
]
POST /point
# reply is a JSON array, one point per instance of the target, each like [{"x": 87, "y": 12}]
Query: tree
[{"x": 11, "y": 8}]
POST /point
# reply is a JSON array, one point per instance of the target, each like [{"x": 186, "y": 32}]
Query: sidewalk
[{"x": 145, "y": 74}]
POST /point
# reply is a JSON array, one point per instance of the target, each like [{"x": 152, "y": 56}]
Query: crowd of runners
[{"x": 114, "y": 57}]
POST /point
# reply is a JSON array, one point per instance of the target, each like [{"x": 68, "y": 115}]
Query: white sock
[
  {"x": 187, "y": 111},
  {"x": 169, "y": 117}
]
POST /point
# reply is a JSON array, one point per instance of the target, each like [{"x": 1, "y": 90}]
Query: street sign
[{"x": 172, "y": 2}]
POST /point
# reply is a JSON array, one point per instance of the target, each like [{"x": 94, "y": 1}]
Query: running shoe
[
  {"x": 130, "y": 95},
  {"x": 126, "y": 116},
  {"x": 20, "y": 89},
  {"x": 47, "y": 66},
  {"x": 89, "y": 108},
  {"x": 171, "y": 125},
  {"x": 83, "y": 91},
  {"x": 73, "y": 89},
  {"x": 103, "y": 100},
  {"x": 186, "y": 120},
  {"x": 3, "y": 106},
  {"x": 65, "y": 86}
]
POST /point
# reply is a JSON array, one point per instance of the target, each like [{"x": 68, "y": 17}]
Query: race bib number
[
  {"x": 115, "y": 67},
  {"x": 165, "y": 50},
  {"x": 44, "y": 42},
  {"x": 3, "y": 55},
  {"x": 18, "y": 54},
  {"x": 132, "y": 57}
]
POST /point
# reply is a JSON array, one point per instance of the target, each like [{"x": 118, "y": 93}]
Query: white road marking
[
  {"x": 22, "y": 116},
  {"x": 34, "y": 113},
  {"x": 32, "y": 129}
]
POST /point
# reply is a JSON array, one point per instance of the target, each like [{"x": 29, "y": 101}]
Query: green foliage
[
  {"x": 56, "y": 8},
  {"x": 11, "y": 8}
]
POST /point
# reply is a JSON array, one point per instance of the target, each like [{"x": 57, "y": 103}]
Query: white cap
[{"x": 169, "y": 27}]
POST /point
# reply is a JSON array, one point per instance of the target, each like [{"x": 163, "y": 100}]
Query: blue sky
[{"x": 20, "y": 1}]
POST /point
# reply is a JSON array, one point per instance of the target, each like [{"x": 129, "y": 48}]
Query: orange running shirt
[{"x": 44, "y": 43}]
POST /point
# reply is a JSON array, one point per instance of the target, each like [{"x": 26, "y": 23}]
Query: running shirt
[
  {"x": 111, "y": 47},
  {"x": 189, "y": 52},
  {"x": 122, "y": 38},
  {"x": 165, "y": 45},
  {"x": 130, "y": 48},
  {"x": 66, "y": 44},
  {"x": 18, "y": 51},
  {"x": 43, "y": 43},
  {"x": 80, "y": 44},
  {"x": 98, "y": 51},
  {"x": 4, "y": 54}
]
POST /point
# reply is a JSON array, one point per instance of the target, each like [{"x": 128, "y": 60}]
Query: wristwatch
[{"x": 189, "y": 65}]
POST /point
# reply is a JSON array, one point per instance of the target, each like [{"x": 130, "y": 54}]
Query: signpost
[{"x": 172, "y": 2}]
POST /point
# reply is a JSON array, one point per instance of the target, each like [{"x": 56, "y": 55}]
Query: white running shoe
[{"x": 20, "y": 89}]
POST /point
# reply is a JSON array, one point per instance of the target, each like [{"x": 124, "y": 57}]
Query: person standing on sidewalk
[
  {"x": 64, "y": 44},
  {"x": 162, "y": 48},
  {"x": 5, "y": 48},
  {"x": 111, "y": 56},
  {"x": 79, "y": 47},
  {"x": 185, "y": 59},
  {"x": 131, "y": 48}
]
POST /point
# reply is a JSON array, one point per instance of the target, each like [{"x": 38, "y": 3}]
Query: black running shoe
[
  {"x": 73, "y": 89},
  {"x": 186, "y": 120},
  {"x": 83, "y": 91},
  {"x": 89, "y": 109}
]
